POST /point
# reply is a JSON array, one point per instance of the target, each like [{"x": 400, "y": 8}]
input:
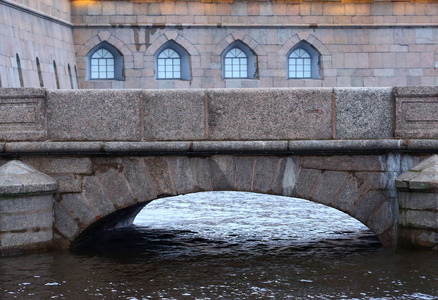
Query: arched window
[
  {"x": 169, "y": 65},
  {"x": 104, "y": 62},
  {"x": 238, "y": 61},
  {"x": 236, "y": 64},
  {"x": 102, "y": 65},
  {"x": 172, "y": 62},
  {"x": 303, "y": 62},
  {"x": 300, "y": 64}
]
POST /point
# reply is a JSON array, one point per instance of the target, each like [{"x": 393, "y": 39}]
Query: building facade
[{"x": 218, "y": 43}]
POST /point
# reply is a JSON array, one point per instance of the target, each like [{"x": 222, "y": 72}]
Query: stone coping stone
[
  {"x": 102, "y": 147},
  {"x": 240, "y": 146},
  {"x": 423, "y": 177},
  {"x": 22, "y": 93},
  {"x": 17, "y": 177},
  {"x": 364, "y": 113},
  {"x": 146, "y": 146},
  {"x": 94, "y": 115},
  {"x": 270, "y": 114},
  {"x": 37, "y": 147},
  {"x": 412, "y": 91}
]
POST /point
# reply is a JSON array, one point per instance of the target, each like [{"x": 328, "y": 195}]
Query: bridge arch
[{"x": 118, "y": 188}]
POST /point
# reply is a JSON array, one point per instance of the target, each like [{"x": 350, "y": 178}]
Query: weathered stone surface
[
  {"x": 347, "y": 196},
  {"x": 138, "y": 179},
  {"x": 25, "y": 240},
  {"x": 264, "y": 173},
  {"x": 418, "y": 201},
  {"x": 223, "y": 172},
  {"x": 64, "y": 223},
  {"x": 329, "y": 186},
  {"x": 243, "y": 146},
  {"x": 69, "y": 183},
  {"x": 419, "y": 219},
  {"x": 422, "y": 177},
  {"x": 64, "y": 165},
  {"x": 306, "y": 183},
  {"x": 181, "y": 175},
  {"x": 174, "y": 115},
  {"x": 346, "y": 145},
  {"x": 22, "y": 114},
  {"x": 95, "y": 195},
  {"x": 202, "y": 170},
  {"x": 269, "y": 114},
  {"x": 286, "y": 177},
  {"x": 115, "y": 188},
  {"x": 19, "y": 178},
  {"x": 25, "y": 204},
  {"x": 364, "y": 113},
  {"x": 160, "y": 175},
  {"x": 367, "y": 205},
  {"x": 342, "y": 163},
  {"x": 94, "y": 115},
  {"x": 34, "y": 221},
  {"x": 79, "y": 208},
  {"x": 146, "y": 147},
  {"x": 384, "y": 218},
  {"x": 416, "y": 112},
  {"x": 53, "y": 147},
  {"x": 244, "y": 173}
]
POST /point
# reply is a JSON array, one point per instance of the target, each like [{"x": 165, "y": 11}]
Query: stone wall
[
  {"x": 35, "y": 36},
  {"x": 362, "y": 44},
  {"x": 93, "y": 190},
  {"x": 393, "y": 118}
]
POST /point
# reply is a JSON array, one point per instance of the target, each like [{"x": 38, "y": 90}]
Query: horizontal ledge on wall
[
  {"x": 263, "y": 26},
  {"x": 322, "y": 147}
]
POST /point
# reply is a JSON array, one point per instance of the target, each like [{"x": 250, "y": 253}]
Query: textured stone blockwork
[
  {"x": 26, "y": 208},
  {"x": 417, "y": 112},
  {"x": 418, "y": 204}
]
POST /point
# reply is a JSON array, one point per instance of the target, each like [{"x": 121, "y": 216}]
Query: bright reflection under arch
[{"x": 249, "y": 216}]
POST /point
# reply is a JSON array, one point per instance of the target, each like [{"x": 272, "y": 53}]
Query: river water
[{"x": 227, "y": 245}]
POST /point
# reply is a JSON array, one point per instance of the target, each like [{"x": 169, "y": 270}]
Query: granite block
[
  {"x": 76, "y": 205},
  {"x": 364, "y": 113},
  {"x": 99, "y": 115},
  {"x": 64, "y": 165},
  {"x": 12, "y": 205},
  {"x": 328, "y": 186},
  {"x": 33, "y": 221},
  {"x": 22, "y": 114},
  {"x": 115, "y": 188},
  {"x": 64, "y": 223},
  {"x": 138, "y": 179},
  {"x": 18, "y": 178},
  {"x": 416, "y": 112},
  {"x": 174, "y": 115},
  {"x": 279, "y": 114},
  {"x": 95, "y": 196},
  {"x": 25, "y": 240},
  {"x": 342, "y": 162}
]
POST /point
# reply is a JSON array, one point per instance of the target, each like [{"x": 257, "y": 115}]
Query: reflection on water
[{"x": 227, "y": 246}]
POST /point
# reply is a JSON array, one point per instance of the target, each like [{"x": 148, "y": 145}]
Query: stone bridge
[{"x": 75, "y": 162}]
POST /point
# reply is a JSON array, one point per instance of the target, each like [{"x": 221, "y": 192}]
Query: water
[{"x": 227, "y": 246}]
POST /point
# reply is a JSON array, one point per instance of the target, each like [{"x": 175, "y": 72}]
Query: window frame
[
  {"x": 314, "y": 60},
  {"x": 183, "y": 56},
  {"x": 250, "y": 57},
  {"x": 118, "y": 61}
]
